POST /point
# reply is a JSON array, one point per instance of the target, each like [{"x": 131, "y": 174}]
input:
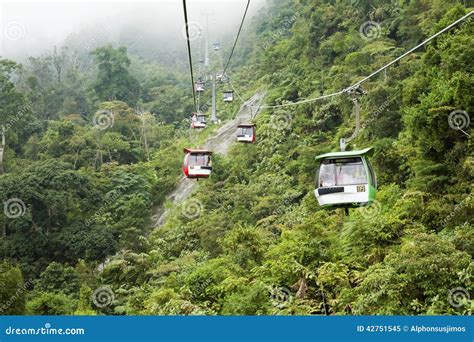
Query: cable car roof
[
  {"x": 246, "y": 125},
  {"x": 367, "y": 151},
  {"x": 198, "y": 151}
]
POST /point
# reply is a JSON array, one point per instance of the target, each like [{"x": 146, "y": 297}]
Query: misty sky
[{"x": 30, "y": 27}]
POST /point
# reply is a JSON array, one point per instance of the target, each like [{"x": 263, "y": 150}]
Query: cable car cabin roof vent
[
  {"x": 196, "y": 151},
  {"x": 367, "y": 151}
]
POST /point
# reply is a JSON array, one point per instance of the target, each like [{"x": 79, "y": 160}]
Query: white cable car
[
  {"x": 228, "y": 96},
  {"x": 198, "y": 120},
  {"x": 246, "y": 133},
  {"x": 216, "y": 46},
  {"x": 200, "y": 86},
  {"x": 197, "y": 163},
  {"x": 345, "y": 179}
]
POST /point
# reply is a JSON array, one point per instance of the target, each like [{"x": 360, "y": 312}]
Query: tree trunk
[{"x": 302, "y": 288}]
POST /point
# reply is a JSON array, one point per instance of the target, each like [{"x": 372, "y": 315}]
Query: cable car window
[
  {"x": 327, "y": 175},
  {"x": 339, "y": 172},
  {"x": 372, "y": 173},
  {"x": 245, "y": 131},
  {"x": 199, "y": 160}
]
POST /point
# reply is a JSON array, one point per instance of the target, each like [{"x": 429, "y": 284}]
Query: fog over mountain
[{"x": 31, "y": 27}]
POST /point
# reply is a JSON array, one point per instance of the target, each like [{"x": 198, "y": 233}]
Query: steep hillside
[
  {"x": 252, "y": 239},
  {"x": 259, "y": 229}
]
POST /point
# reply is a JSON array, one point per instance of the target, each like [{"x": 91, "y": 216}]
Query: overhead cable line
[
  {"x": 413, "y": 49},
  {"x": 357, "y": 84},
  {"x": 189, "y": 53},
  {"x": 237, "y": 38},
  {"x": 230, "y": 81}
]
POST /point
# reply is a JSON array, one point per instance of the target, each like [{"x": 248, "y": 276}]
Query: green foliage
[
  {"x": 246, "y": 246},
  {"x": 411, "y": 279},
  {"x": 261, "y": 244},
  {"x": 50, "y": 304},
  {"x": 13, "y": 290},
  {"x": 114, "y": 81},
  {"x": 260, "y": 213},
  {"x": 58, "y": 278}
]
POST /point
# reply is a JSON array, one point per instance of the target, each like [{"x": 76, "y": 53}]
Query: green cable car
[{"x": 345, "y": 179}]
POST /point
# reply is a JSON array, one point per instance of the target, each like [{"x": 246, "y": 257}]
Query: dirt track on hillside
[{"x": 219, "y": 143}]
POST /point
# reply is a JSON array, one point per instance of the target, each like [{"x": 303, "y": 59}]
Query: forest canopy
[{"x": 93, "y": 146}]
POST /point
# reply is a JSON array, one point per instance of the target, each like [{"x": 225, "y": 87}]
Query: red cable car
[
  {"x": 246, "y": 133},
  {"x": 197, "y": 163}
]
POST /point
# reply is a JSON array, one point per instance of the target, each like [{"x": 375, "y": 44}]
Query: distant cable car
[
  {"x": 198, "y": 120},
  {"x": 228, "y": 96},
  {"x": 345, "y": 179},
  {"x": 216, "y": 46},
  {"x": 200, "y": 86},
  {"x": 220, "y": 77},
  {"x": 246, "y": 133},
  {"x": 197, "y": 163}
]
